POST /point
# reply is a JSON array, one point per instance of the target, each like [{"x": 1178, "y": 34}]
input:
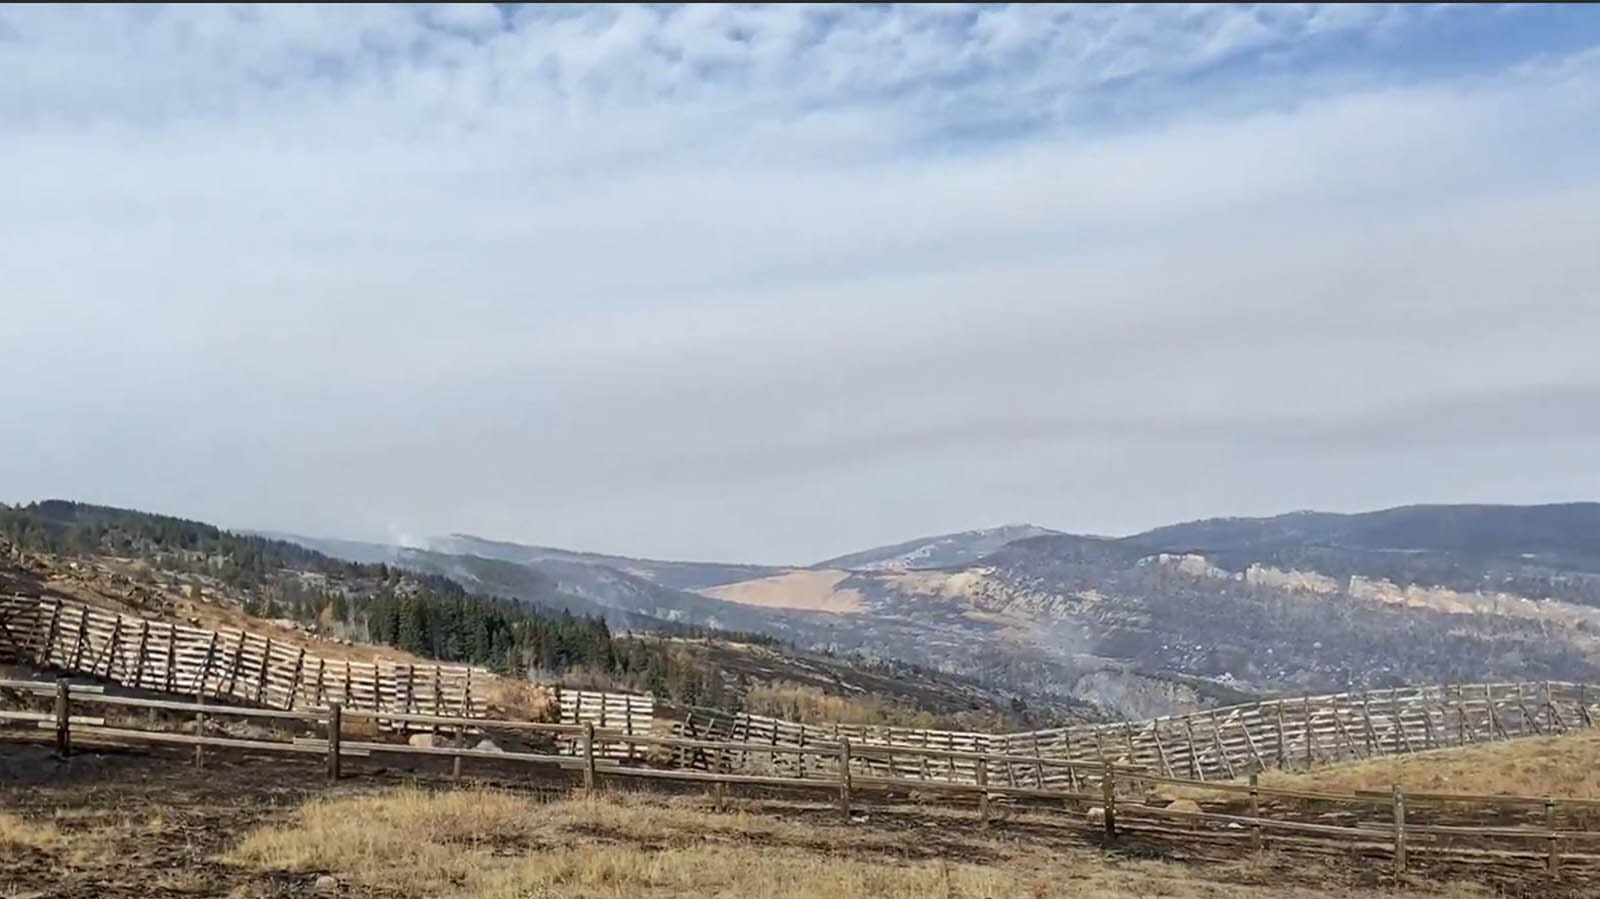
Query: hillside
[
  {"x": 671, "y": 575},
  {"x": 943, "y": 551},
  {"x": 510, "y": 618},
  {"x": 1567, "y": 766},
  {"x": 1165, "y": 621},
  {"x": 1537, "y": 551}
]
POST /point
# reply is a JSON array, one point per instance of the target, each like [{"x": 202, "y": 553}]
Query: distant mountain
[
  {"x": 1564, "y": 535},
  {"x": 581, "y": 583},
  {"x": 674, "y": 575},
  {"x": 943, "y": 551},
  {"x": 484, "y": 611},
  {"x": 1174, "y": 618},
  {"x": 1526, "y": 550},
  {"x": 348, "y": 550}
]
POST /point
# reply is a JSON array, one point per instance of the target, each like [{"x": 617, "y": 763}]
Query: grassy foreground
[
  {"x": 496, "y": 845},
  {"x": 1567, "y": 765}
]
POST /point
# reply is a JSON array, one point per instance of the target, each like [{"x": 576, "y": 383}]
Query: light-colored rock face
[
  {"x": 1305, "y": 581},
  {"x": 1191, "y": 564},
  {"x": 971, "y": 583},
  {"x": 1442, "y": 599}
]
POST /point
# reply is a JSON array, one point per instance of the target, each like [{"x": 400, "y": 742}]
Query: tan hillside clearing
[
  {"x": 493, "y": 845},
  {"x": 1567, "y": 765},
  {"x": 813, "y": 591}
]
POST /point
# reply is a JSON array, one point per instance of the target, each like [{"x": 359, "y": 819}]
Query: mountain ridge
[{"x": 1169, "y": 618}]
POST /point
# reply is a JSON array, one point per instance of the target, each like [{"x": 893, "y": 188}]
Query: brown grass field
[
  {"x": 1567, "y": 765},
  {"x": 145, "y": 823}
]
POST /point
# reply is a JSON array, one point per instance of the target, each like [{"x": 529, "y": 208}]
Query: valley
[
  {"x": 1172, "y": 620},
  {"x": 1169, "y": 620}
]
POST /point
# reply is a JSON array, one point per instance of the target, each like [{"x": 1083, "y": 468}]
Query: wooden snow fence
[
  {"x": 253, "y": 669},
  {"x": 1214, "y": 744},
  {"x": 227, "y": 665}
]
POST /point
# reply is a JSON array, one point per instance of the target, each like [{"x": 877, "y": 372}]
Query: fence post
[
  {"x": 844, "y": 778},
  {"x": 1305, "y": 702},
  {"x": 63, "y": 718},
  {"x": 1255, "y": 812},
  {"x": 199, "y": 732},
  {"x": 1108, "y": 793},
  {"x": 1552, "y": 863},
  {"x": 982, "y": 777},
  {"x": 335, "y": 725},
  {"x": 1283, "y": 748},
  {"x": 461, "y": 743},
  {"x": 1399, "y": 831},
  {"x": 588, "y": 760}
]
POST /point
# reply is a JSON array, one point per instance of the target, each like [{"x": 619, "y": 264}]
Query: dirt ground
[{"x": 144, "y": 822}]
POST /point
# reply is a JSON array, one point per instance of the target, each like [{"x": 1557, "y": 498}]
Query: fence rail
[
  {"x": 1554, "y": 834},
  {"x": 1224, "y": 743}
]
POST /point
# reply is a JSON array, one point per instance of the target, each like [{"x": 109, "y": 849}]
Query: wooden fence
[
  {"x": 240, "y": 666},
  {"x": 236, "y": 666},
  {"x": 626, "y": 713},
  {"x": 1223, "y": 743},
  {"x": 1308, "y": 731},
  {"x": 1553, "y": 834}
]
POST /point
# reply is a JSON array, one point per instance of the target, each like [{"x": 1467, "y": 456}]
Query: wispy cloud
[{"x": 775, "y": 281}]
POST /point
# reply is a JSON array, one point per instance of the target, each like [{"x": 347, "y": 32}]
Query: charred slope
[
  {"x": 1536, "y": 551},
  {"x": 1195, "y": 616}
]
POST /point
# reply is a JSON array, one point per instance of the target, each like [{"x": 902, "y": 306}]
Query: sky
[{"x": 773, "y": 284}]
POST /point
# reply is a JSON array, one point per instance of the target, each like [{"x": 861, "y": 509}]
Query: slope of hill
[
  {"x": 671, "y": 575},
  {"x": 509, "y": 617},
  {"x": 1164, "y": 621},
  {"x": 1539, "y": 551},
  {"x": 943, "y": 551},
  {"x": 1562, "y": 535},
  {"x": 1566, "y": 765}
]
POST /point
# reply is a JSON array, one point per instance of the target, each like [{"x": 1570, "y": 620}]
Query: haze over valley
[{"x": 1166, "y": 620}]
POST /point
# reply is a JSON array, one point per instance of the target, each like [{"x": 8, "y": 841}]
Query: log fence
[
  {"x": 1214, "y": 744},
  {"x": 1553, "y": 834},
  {"x": 244, "y": 667}
]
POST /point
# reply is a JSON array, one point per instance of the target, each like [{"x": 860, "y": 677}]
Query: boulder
[
  {"x": 425, "y": 741},
  {"x": 1184, "y": 805},
  {"x": 487, "y": 745},
  {"x": 1096, "y": 815},
  {"x": 325, "y": 883}
]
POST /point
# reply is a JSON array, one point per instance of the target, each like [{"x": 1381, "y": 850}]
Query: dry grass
[
  {"x": 495, "y": 845},
  {"x": 18, "y": 832},
  {"x": 816, "y": 591},
  {"x": 1567, "y": 765}
]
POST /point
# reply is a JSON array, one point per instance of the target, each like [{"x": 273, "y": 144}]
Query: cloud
[{"x": 773, "y": 282}]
